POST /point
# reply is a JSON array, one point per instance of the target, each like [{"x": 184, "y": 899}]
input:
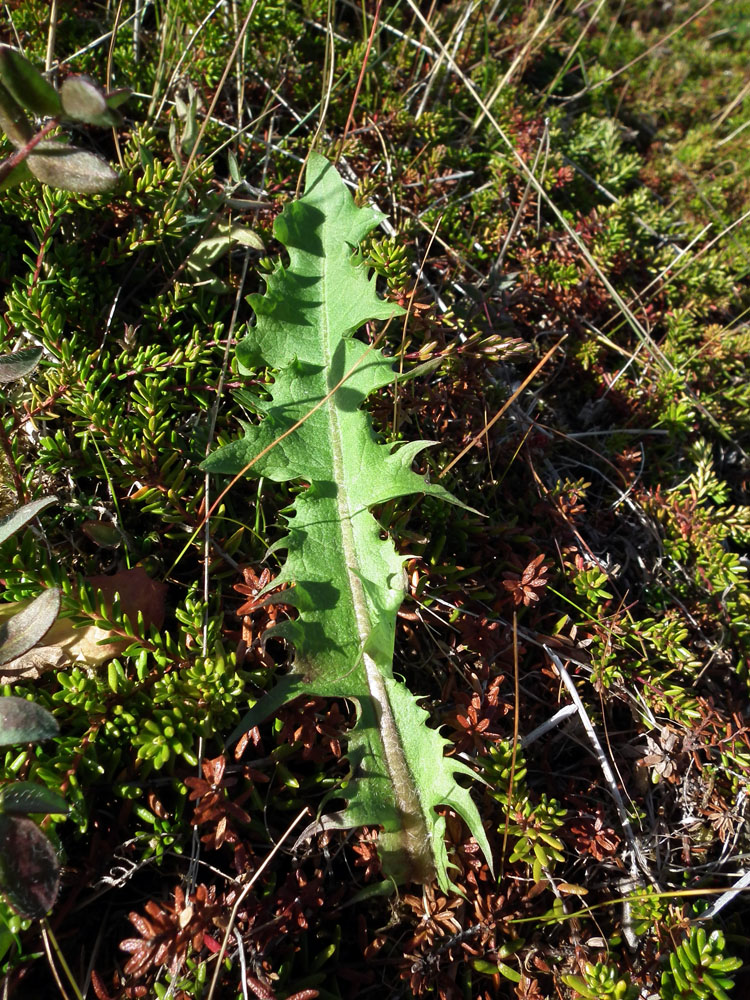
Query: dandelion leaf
[{"x": 346, "y": 579}]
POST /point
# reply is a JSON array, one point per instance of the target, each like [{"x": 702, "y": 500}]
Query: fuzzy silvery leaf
[
  {"x": 19, "y": 363},
  {"x": 29, "y": 869},
  {"x": 24, "y": 630},
  {"x": 23, "y": 797},
  {"x": 27, "y": 85},
  {"x": 83, "y": 100},
  {"x": 70, "y": 168},
  {"x": 12, "y": 522},
  {"x": 213, "y": 248},
  {"x": 116, "y": 98},
  {"x": 17, "y": 175},
  {"x": 247, "y": 237},
  {"x": 187, "y": 112},
  {"x": 13, "y": 121},
  {"x": 24, "y": 721}
]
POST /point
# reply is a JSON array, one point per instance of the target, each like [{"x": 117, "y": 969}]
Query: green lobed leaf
[
  {"x": 12, "y": 522},
  {"x": 29, "y": 869},
  {"x": 19, "y": 363},
  {"x": 24, "y": 721},
  {"x": 26, "y": 84},
  {"x": 28, "y": 797},
  {"x": 71, "y": 169},
  {"x": 28, "y": 626},
  {"x": 347, "y": 580}
]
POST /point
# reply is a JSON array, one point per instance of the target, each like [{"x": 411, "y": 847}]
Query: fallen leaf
[
  {"x": 32, "y": 665},
  {"x": 90, "y": 644}
]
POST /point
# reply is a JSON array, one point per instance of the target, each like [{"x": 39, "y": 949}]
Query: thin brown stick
[
  {"x": 47, "y": 937},
  {"x": 245, "y": 891},
  {"x": 215, "y": 99},
  {"x": 514, "y": 752},
  {"x": 108, "y": 76},
  {"x": 504, "y": 407},
  {"x": 409, "y": 309},
  {"x": 363, "y": 68},
  {"x": 51, "y": 34}
]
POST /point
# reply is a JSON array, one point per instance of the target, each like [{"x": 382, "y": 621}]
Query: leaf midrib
[{"x": 394, "y": 760}]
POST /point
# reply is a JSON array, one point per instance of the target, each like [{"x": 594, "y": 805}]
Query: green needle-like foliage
[
  {"x": 698, "y": 969},
  {"x": 347, "y": 580}
]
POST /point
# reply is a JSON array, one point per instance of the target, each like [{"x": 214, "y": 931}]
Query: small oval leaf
[
  {"x": 29, "y": 869},
  {"x": 13, "y": 121},
  {"x": 17, "y": 175},
  {"x": 28, "y": 797},
  {"x": 81, "y": 98},
  {"x": 247, "y": 238},
  {"x": 27, "y": 85},
  {"x": 19, "y": 363},
  {"x": 24, "y": 721},
  {"x": 71, "y": 169},
  {"x": 579, "y": 985},
  {"x": 11, "y": 523},
  {"x": 26, "y": 628},
  {"x": 568, "y": 887},
  {"x": 84, "y": 101},
  {"x": 102, "y": 533},
  {"x": 117, "y": 97},
  {"x": 508, "y": 972},
  {"x": 207, "y": 252}
]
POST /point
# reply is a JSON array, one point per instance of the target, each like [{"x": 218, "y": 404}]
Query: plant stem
[{"x": 21, "y": 154}]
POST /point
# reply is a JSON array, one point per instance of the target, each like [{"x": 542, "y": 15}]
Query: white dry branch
[{"x": 637, "y": 857}]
